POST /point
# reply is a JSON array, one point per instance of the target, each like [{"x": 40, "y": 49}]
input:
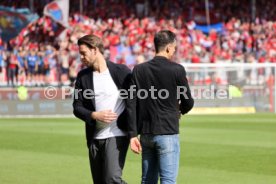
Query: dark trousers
[
  {"x": 107, "y": 159},
  {"x": 11, "y": 76}
]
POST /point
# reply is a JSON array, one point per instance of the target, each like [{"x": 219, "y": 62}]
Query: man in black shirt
[{"x": 157, "y": 115}]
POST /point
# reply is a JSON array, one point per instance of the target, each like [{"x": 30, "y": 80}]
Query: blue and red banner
[
  {"x": 12, "y": 21},
  {"x": 58, "y": 10}
]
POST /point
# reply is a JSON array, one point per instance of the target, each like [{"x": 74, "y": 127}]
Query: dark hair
[
  {"x": 92, "y": 41},
  {"x": 162, "y": 39}
]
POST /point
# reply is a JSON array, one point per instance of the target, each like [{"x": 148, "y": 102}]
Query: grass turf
[{"x": 215, "y": 149}]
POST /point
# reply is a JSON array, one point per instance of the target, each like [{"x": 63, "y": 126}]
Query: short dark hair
[
  {"x": 162, "y": 39},
  {"x": 92, "y": 41}
]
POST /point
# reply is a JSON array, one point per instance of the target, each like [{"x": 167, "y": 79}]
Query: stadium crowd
[{"x": 36, "y": 58}]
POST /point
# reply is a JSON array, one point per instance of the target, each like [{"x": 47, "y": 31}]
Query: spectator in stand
[
  {"x": 12, "y": 69},
  {"x": 40, "y": 73},
  {"x": 32, "y": 67},
  {"x": 63, "y": 58},
  {"x": 22, "y": 65},
  {"x": 50, "y": 65},
  {"x": 2, "y": 59},
  {"x": 73, "y": 72}
]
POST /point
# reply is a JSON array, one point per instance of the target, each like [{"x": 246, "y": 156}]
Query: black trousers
[{"x": 107, "y": 159}]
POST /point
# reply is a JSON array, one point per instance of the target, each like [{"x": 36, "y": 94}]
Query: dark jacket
[
  {"x": 159, "y": 116},
  {"x": 83, "y": 108}
]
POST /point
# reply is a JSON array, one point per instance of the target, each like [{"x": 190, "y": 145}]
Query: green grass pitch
[{"x": 215, "y": 149}]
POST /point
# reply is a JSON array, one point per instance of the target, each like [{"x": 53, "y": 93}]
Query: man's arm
[
  {"x": 131, "y": 106},
  {"x": 186, "y": 99},
  {"x": 135, "y": 144},
  {"x": 79, "y": 110}
]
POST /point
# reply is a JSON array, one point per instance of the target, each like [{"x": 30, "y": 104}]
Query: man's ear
[{"x": 167, "y": 49}]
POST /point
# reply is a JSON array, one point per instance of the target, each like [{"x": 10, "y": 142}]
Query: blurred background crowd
[{"x": 37, "y": 56}]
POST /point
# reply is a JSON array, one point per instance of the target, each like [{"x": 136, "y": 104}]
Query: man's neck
[
  {"x": 100, "y": 65},
  {"x": 162, "y": 54}
]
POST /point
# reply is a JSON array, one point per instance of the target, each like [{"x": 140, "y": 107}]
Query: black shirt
[{"x": 157, "y": 114}]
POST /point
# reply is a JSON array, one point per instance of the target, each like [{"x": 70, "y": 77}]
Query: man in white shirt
[{"x": 104, "y": 112}]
